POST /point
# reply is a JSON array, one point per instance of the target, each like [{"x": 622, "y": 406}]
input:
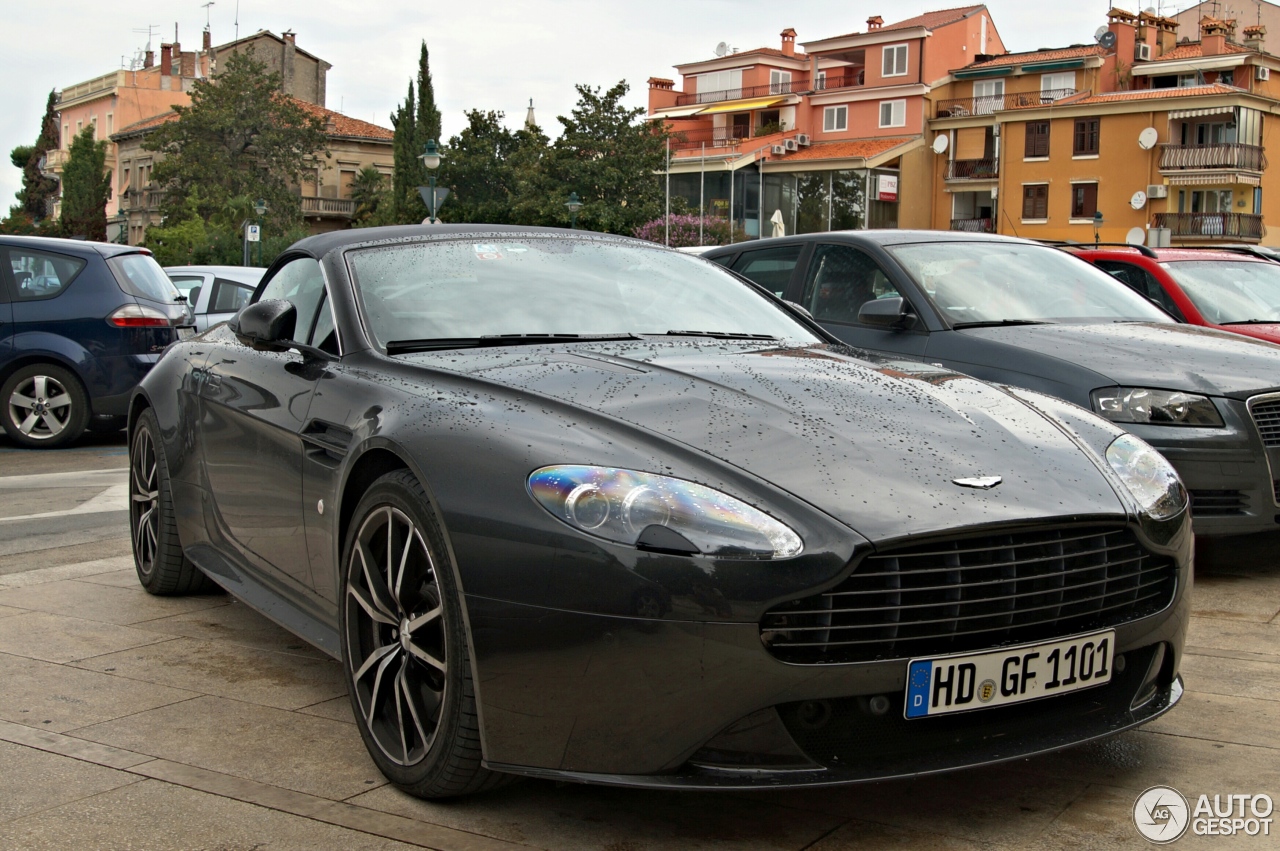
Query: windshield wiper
[
  {"x": 399, "y": 347},
  {"x": 718, "y": 335},
  {"x": 1252, "y": 322},
  {"x": 996, "y": 323}
]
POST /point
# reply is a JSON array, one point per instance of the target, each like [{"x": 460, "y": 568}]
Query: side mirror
[
  {"x": 266, "y": 326},
  {"x": 887, "y": 313}
]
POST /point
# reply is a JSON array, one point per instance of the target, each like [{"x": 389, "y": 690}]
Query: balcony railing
[
  {"x": 971, "y": 169},
  {"x": 720, "y": 137},
  {"x": 846, "y": 80},
  {"x": 974, "y": 225},
  {"x": 1211, "y": 225},
  {"x": 332, "y": 207},
  {"x": 142, "y": 200},
  {"x": 1227, "y": 156},
  {"x": 796, "y": 85},
  {"x": 987, "y": 104}
]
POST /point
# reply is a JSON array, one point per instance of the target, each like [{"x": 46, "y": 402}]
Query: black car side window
[
  {"x": 229, "y": 296},
  {"x": 841, "y": 280},
  {"x": 771, "y": 268},
  {"x": 1142, "y": 282},
  {"x": 37, "y": 274},
  {"x": 324, "y": 336},
  {"x": 301, "y": 283}
]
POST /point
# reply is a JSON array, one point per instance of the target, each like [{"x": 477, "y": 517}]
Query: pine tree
[
  {"x": 38, "y": 191},
  {"x": 86, "y": 186}
]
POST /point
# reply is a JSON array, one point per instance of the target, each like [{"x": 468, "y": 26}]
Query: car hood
[
  {"x": 1173, "y": 357},
  {"x": 875, "y": 443},
  {"x": 1269, "y": 332}
]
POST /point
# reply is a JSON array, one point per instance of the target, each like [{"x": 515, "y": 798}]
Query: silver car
[{"x": 215, "y": 293}]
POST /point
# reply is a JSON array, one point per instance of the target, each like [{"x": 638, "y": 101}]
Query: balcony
[
  {"x": 974, "y": 225},
  {"x": 779, "y": 89},
  {"x": 1211, "y": 226},
  {"x": 719, "y": 137},
  {"x": 328, "y": 208},
  {"x": 1199, "y": 157},
  {"x": 984, "y": 169},
  {"x": 988, "y": 104},
  {"x": 53, "y": 161}
]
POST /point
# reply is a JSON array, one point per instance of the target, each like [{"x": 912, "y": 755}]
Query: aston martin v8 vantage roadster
[{"x": 575, "y": 506}]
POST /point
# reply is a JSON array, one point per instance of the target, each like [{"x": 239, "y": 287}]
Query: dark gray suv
[{"x": 1020, "y": 313}]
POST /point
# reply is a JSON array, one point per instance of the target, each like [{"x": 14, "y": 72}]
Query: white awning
[
  {"x": 1214, "y": 178},
  {"x": 1196, "y": 113},
  {"x": 678, "y": 112}
]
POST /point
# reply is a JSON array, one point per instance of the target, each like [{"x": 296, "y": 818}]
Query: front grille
[
  {"x": 1218, "y": 503},
  {"x": 974, "y": 593},
  {"x": 1266, "y": 416}
]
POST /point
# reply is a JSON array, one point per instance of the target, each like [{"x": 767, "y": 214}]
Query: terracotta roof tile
[
  {"x": 343, "y": 125},
  {"x": 1161, "y": 94},
  {"x": 147, "y": 123},
  {"x": 851, "y": 149},
  {"x": 929, "y": 20},
  {"x": 1076, "y": 52},
  {"x": 1195, "y": 50}
]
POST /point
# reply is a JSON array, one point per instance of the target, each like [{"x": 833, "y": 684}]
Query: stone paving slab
[
  {"x": 124, "y": 606},
  {"x": 57, "y": 638},
  {"x": 33, "y": 781}
]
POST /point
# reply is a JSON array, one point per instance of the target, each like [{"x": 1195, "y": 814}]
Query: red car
[{"x": 1229, "y": 290}]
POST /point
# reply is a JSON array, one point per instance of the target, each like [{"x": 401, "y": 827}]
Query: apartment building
[
  {"x": 826, "y": 135},
  {"x": 1145, "y": 135}
]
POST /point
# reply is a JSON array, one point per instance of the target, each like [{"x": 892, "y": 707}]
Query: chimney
[
  {"x": 1254, "y": 37},
  {"x": 166, "y": 60},
  {"x": 875, "y": 22},
  {"x": 1149, "y": 30},
  {"x": 149, "y": 59},
  {"x": 1213, "y": 36},
  {"x": 208, "y": 39},
  {"x": 290, "y": 36},
  {"x": 1166, "y": 36},
  {"x": 187, "y": 64},
  {"x": 1125, "y": 27},
  {"x": 288, "y": 55},
  {"x": 788, "y": 42}
]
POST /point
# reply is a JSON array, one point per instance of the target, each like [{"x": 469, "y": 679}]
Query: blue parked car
[{"x": 80, "y": 324}]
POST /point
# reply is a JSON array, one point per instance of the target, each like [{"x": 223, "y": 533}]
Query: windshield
[
  {"x": 1226, "y": 291},
  {"x": 541, "y": 285},
  {"x": 998, "y": 282},
  {"x": 140, "y": 275}
]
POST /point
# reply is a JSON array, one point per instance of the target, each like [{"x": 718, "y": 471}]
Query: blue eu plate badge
[{"x": 918, "y": 689}]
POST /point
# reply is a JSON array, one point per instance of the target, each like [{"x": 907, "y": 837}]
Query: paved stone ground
[{"x": 129, "y": 721}]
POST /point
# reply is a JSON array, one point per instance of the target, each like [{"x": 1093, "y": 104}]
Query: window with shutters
[
  {"x": 1084, "y": 200},
  {"x": 1086, "y": 137},
  {"x": 893, "y": 113},
  {"x": 835, "y": 118},
  {"x": 894, "y": 61},
  {"x": 1037, "y": 139},
  {"x": 1035, "y": 201}
]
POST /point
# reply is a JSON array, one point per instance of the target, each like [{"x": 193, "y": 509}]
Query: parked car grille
[
  {"x": 974, "y": 593},
  {"x": 1266, "y": 416},
  {"x": 1218, "y": 503}
]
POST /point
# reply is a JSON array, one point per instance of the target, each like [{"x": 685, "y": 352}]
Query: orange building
[
  {"x": 826, "y": 137},
  {"x": 1145, "y": 135}
]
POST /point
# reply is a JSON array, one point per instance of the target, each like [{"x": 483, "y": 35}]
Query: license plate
[
  {"x": 1010, "y": 675},
  {"x": 186, "y": 332}
]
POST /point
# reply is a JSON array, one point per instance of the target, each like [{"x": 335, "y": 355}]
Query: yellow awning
[{"x": 741, "y": 105}]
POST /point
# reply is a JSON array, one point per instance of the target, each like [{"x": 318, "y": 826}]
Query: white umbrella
[{"x": 779, "y": 229}]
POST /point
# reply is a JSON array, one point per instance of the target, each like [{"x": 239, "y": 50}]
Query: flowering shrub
[{"x": 684, "y": 231}]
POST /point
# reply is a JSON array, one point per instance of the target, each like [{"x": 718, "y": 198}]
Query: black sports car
[{"x": 576, "y": 506}]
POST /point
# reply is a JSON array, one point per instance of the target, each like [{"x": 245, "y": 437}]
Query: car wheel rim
[
  {"x": 396, "y": 635},
  {"x": 144, "y": 500},
  {"x": 40, "y": 407}
]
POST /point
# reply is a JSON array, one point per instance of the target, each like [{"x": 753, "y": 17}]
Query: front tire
[
  {"x": 404, "y": 647},
  {"x": 157, "y": 553},
  {"x": 45, "y": 406}
]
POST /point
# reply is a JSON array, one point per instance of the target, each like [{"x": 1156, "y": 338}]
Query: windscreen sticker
[{"x": 487, "y": 251}]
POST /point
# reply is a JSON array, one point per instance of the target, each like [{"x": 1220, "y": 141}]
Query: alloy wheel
[
  {"x": 395, "y": 634},
  {"x": 40, "y": 407},
  {"x": 144, "y": 500}
]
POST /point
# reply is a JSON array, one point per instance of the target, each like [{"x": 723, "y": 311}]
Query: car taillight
[{"x": 137, "y": 316}]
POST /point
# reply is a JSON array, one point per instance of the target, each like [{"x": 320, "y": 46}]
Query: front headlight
[
  {"x": 636, "y": 509},
  {"x": 1148, "y": 476},
  {"x": 1157, "y": 407}
]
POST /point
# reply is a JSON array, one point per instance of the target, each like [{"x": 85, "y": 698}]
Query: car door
[
  {"x": 253, "y": 411},
  {"x": 838, "y": 281},
  {"x": 6, "y": 317},
  {"x": 225, "y": 299},
  {"x": 193, "y": 285}
]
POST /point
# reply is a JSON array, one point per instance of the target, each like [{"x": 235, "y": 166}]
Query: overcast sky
[{"x": 485, "y": 54}]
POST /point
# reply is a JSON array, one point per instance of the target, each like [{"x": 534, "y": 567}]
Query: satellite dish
[
  {"x": 1139, "y": 200},
  {"x": 1135, "y": 236},
  {"x": 722, "y": 48},
  {"x": 1107, "y": 40},
  {"x": 1099, "y": 32},
  {"x": 940, "y": 144},
  {"x": 1147, "y": 138}
]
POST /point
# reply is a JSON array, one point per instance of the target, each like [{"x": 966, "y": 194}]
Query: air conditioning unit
[
  {"x": 803, "y": 140},
  {"x": 790, "y": 144},
  {"x": 1157, "y": 190},
  {"x": 1263, "y": 73},
  {"x": 778, "y": 150},
  {"x": 1142, "y": 52}
]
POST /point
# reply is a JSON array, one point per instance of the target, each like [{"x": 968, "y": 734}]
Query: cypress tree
[
  {"x": 37, "y": 190},
  {"x": 405, "y": 165},
  {"x": 86, "y": 184}
]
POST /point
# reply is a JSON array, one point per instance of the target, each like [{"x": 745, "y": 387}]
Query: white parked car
[{"x": 215, "y": 293}]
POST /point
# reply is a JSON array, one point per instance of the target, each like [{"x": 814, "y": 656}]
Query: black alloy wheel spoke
[
  {"x": 395, "y": 634},
  {"x": 144, "y": 493}
]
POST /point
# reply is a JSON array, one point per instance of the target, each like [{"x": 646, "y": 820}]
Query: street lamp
[
  {"x": 574, "y": 204},
  {"x": 1097, "y": 224},
  {"x": 260, "y": 207},
  {"x": 431, "y": 161}
]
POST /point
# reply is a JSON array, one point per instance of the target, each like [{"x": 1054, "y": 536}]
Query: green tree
[
  {"x": 86, "y": 186},
  {"x": 415, "y": 122},
  {"x": 238, "y": 139},
  {"x": 31, "y": 213},
  {"x": 611, "y": 158},
  {"x": 369, "y": 191},
  {"x": 482, "y": 168}
]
